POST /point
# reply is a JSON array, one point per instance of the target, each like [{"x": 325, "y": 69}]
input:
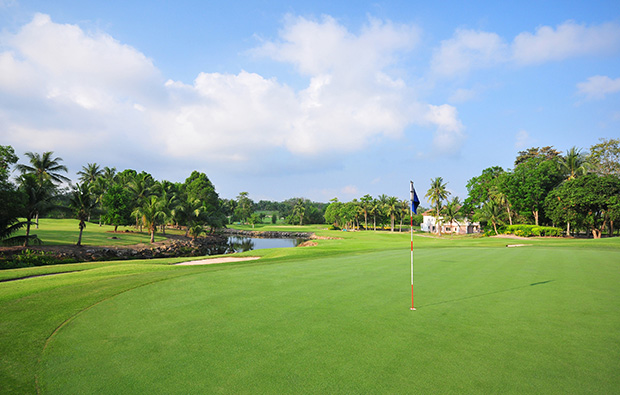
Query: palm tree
[
  {"x": 82, "y": 203},
  {"x": 366, "y": 203},
  {"x": 392, "y": 208},
  {"x": 437, "y": 193},
  {"x": 141, "y": 186},
  {"x": 404, "y": 211},
  {"x": 44, "y": 167},
  {"x": 491, "y": 211},
  {"x": 574, "y": 163},
  {"x": 500, "y": 198},
  {"x": 46, "y": 171},
  {"x": 90, "y": 173},
  {"x": 109, "y": 174},
  {"x": 375, "y": 208},
  {"x": 300, "y": 209},
  {"x": 151, "y": 213},
  {"x": 36, "y": 199},
  {"x": 188, "y": 213},
  {"x": 451, "y": 212}
]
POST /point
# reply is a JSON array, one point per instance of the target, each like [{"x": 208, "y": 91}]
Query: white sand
[{"x": 218, "y": 260}]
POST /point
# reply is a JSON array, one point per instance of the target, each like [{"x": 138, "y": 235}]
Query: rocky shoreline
[{"x": 173, "y": 246}]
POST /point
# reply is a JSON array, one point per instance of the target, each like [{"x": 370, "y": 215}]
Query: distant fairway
[{"x": 490, "y": 319}]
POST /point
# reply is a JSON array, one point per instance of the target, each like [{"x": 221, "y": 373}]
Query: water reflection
[{"x": 242, "y": 244}]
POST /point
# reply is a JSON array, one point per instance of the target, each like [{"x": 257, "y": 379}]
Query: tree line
[
  {"x": 124, "y": 198},
  {"x": 577, "y": 190}
]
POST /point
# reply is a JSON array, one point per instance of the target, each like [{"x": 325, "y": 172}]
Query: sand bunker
[{"x": 218, "y": 260}]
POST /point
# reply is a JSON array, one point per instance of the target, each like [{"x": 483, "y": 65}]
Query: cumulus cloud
[
  {"x": 62, "y": 86},
  {"x": 598, "y": 86},
  {"x": 470, "y": 50},
  {"x": 449, "y": 136},
  {"x": 567, "y": 40}
]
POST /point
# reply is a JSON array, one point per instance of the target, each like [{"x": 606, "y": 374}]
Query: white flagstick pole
[{"x": 411, "y": 209}]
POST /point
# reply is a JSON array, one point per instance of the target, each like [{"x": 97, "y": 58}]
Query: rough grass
[{"x": 332, "y": 318}]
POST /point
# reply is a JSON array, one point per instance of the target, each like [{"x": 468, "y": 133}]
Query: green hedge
[{"x": 532, "y": 230}]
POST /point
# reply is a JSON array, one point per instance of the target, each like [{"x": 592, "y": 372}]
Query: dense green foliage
[{"x": 578, "y": 191}]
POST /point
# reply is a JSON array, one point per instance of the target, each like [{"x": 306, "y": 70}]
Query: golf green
[{"x": 488, "y": 320}]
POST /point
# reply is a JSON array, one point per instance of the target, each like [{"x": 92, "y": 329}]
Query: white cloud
[
  {"x": 449, "y": 136},
  {"x": 567, "y": 40},
  {"x": 598, "y": 86},
  {"x": 470, "y": 50},
  {"x": 61, "y": 86}
]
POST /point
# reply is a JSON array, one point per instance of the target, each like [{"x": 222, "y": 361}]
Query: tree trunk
[
  {"x": 392, "y": 223},
  {"x": 596, "y": 233},
  {"x": 568, "y": 229},
  {"x": 37, "y": 220},
  {"x": 509, "y": 215},
  {"x": 79, "y": 242},
  {"x": 27, "y": 231},
  {"x": 535, "y": 212},
  {"x": 494, "y": 228},
  {"x": 153, "y": 227}
]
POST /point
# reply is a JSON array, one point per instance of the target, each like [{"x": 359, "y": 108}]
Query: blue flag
[{"x": 415, "y": 202}]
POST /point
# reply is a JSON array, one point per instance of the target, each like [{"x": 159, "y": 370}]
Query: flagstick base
[{"x": 413, "y": 308}]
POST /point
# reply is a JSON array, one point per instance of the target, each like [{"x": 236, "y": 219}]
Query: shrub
[{"x": 532, "y": 230}]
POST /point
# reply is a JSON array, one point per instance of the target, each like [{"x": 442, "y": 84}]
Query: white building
[{"x": 461, "y": 227}]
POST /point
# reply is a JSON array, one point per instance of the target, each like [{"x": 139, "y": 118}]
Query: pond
[{"x": 243, "y": 243}]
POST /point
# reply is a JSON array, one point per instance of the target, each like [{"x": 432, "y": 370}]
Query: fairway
[{"x": 488, "y": 320}]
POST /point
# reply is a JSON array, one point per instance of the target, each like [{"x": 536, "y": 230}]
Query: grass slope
[{"x": 332, "y": 318}]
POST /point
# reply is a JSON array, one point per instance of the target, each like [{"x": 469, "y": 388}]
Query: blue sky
[{"x": 318, "y": 99}]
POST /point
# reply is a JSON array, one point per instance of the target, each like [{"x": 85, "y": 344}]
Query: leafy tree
[
  {"x": 479, "y": 188},
  {"x": 605, "y": 157},
  {"x": 82, "y": 202},
  {"x": 529, "y": 183},
  {"x": 332, "y": 212},
  {"x": 10, "y": 199},
  {"x": 117, "y": 203},
  {"x": 198, "y": 186},
  {"x": 245, "y": 207},
  {"x": 437, "y": 193},
  {"x": 589, "y": 201},
  {"x": 545, "y": 153}
]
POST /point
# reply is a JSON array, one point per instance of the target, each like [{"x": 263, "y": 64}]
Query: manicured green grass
[
  {"x": 328, "y": 319},
  {"x": 66, "y": 231}
]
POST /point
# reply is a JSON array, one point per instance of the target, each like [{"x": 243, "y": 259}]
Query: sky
[{"x": 314, "y": 99}]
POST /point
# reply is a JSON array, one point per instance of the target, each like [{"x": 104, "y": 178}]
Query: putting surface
[{"x": 488, "y": 320}]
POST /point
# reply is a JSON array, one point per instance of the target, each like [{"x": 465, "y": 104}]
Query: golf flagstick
[{"x": 414, "y": 205}]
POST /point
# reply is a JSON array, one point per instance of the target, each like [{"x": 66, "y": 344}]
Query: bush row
[{"x": 532, "y": 230}]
